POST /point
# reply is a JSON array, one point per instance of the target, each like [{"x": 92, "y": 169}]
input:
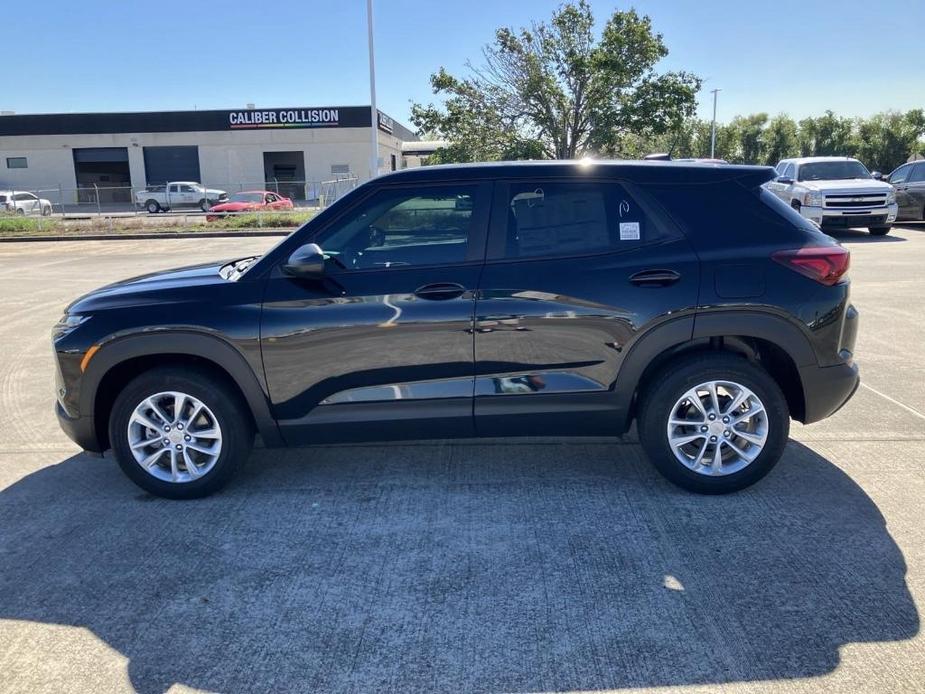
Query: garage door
[{"x": 164, "y": 164}]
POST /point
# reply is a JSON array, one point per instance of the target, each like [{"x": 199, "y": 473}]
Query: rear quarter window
[{"x": 728, "y": 213}]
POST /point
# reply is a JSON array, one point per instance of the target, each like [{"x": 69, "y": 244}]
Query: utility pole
[
  {"x": 374, "y": 112},
  {"x": 714, "y": 92}
]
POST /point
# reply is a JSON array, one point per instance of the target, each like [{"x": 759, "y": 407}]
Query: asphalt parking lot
[{"x": 468, "y": 566}]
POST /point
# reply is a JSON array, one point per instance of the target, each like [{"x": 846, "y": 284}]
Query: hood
[
  {"x": 233, "y": 207},
  {"x": 213, "y": 193},
  {"x": 155, "y": 287},
  {"x": 858, "y": 185}
]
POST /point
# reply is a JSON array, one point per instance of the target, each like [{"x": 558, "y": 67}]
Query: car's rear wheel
[
  {"x": 179, "y": 433},
  {"x": 714, "y": 423},
  {"x": 20, "y": 211},
  {"x": 153, "y": 206},
  {"x": 879, "y": 231}
]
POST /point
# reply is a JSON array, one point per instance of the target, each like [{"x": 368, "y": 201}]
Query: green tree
[
  {"x": 742, "y": 140},
  {"x": 886, "y": 140},
  {"x": 827, "y": 135},
  {"x": 558, "y": 90},
  {"x": 781, "y": 140}
]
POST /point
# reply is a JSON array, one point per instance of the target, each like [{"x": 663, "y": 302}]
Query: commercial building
[{"x": 111, "y": 154}]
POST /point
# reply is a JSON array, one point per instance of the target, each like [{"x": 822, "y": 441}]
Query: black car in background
[
  {"x": 510, "y": 299},
  {"x": 909, "y": 182}
]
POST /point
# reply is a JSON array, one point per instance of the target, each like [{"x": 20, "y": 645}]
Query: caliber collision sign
[{"x": 285, "y": 118}]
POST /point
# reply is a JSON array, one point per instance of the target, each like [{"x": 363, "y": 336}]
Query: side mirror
[
  {"x": 876, "y": 175},
  {"x": 786, "y": 180},
  {"x": 306, "y": 262}
]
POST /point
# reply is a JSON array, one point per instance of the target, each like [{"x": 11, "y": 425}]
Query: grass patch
[
  {"x": 17, "y": 224},
  {"x": 267, "y": 220}
]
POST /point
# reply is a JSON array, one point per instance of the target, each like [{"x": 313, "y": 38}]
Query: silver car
[{"x": 22, "y": 203}]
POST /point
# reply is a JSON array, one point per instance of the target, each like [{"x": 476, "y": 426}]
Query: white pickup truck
[
  {"x": 176, "y": 194},
  {"x": 836, "y": 192}
]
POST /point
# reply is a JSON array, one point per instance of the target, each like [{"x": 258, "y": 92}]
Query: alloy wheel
[
  {"x": 717, "y": 428},
  {"x": 174, "y": 437}
]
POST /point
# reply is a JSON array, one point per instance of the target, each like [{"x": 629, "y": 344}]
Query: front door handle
[
  {"x": 440, "y": 291},
  {"x": 654, "y": 278}
]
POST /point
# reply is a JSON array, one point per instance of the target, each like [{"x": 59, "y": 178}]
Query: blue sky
[{"x": 853, "y": 57}]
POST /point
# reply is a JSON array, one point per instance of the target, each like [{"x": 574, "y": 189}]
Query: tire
[
  {"x": 21, "y": 212},
  {"x": 46, "y": 211},
  {"x": 667, "y": 392},
  {"x": 152, "y": 206},
  {"x": 223, "y": 412},
  {"x": 204, "y": 205},
  {"x": 879, "y": 231}
]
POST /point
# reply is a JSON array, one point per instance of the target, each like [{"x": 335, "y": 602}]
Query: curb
[{"x": 142, "y": 236}]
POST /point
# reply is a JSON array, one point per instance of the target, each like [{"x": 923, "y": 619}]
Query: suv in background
[
  {"x": 909, "y": 182},
  {"x": 836, "y": 193},
  {"x": 508, "y": 299},
  {"x": 22, "y": 203}
]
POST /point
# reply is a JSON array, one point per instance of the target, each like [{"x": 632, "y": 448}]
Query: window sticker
[
  {"x": 629, "y": 231},
  {"x": 624, "y": 208}
]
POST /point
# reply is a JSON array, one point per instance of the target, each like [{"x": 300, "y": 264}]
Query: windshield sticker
[
  {"x": 629, "y": 231},
  {"x": 624, "y": 208}
]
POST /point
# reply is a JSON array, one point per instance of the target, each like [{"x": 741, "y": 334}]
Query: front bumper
[
  {"x": 80, "y": 430},
  {"x": 858, "y": 217}
]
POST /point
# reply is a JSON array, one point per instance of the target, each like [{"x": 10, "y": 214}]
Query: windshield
[
  {"x": 247, "y": 197},
  {"x": 833, "y": 171}
]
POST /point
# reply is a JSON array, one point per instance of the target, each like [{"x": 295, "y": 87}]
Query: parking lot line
[{"x": 911, "y": 410}]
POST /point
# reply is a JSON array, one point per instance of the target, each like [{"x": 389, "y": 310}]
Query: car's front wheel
[
  {"x": 204, "y": 205},
  {"x": 179, "y": 433},
  {"x": 714, "y": 423}
]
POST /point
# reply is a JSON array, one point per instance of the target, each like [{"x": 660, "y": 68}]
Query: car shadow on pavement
[{"x": 456, "y": 567}]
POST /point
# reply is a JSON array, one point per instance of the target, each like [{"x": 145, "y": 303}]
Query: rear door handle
[
  {"x": 440, "y": 291},
  {"x": 654, "y": 278}
]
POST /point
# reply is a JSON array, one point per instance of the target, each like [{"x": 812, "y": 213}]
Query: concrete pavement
[{"x": 537, "y": 565}]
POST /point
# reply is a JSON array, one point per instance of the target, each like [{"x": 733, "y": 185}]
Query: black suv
[{"x": 511, "y": 299}]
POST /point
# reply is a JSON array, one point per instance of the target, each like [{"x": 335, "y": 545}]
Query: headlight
[
  {"x": 813, "y": 199},
  {"x": 891, "y": 197},
  {"x": 67, "y": 323}
]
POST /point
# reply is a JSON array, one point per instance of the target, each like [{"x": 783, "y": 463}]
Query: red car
[{"x": 250, "y": 201}]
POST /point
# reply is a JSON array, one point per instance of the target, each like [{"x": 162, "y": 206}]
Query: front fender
[{"x": 208, "y": 347}]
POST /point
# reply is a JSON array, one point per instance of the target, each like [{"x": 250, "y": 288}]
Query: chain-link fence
[{"x": 288, "y": 197}]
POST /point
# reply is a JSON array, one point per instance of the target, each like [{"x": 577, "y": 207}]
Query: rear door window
[
  {"x": 558, "y": 218},
  {"x": 918, "y": 174}
]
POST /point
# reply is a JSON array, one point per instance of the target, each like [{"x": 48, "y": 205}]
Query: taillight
[{"x": 825, "y": 264}]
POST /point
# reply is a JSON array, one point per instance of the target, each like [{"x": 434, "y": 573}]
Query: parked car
[
  {"x": 555, "y": 298},
  {"x": 23, "y": 203},
  {"x": 249, "y": 201},
  {"x": 178, "y": 194},
  {"x": 909, "y": 182},
  {"x": 836, "y": 193}
]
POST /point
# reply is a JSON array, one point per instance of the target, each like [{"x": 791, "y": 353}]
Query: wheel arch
[
  {"x": 118, "y": 362},
  {"x": 772, "y": 342}
]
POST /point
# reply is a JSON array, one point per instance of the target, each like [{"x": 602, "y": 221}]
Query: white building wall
[{"x": 226, "y": 158}]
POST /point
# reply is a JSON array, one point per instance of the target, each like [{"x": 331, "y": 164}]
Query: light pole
[
  {"x": 714, "y": 92},
  {"x": 374, "y": 112}
]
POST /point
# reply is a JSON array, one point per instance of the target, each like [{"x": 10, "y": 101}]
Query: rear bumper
[
  {"x": 80, "y": 430},
  {"x": 827, "y": 389}
]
